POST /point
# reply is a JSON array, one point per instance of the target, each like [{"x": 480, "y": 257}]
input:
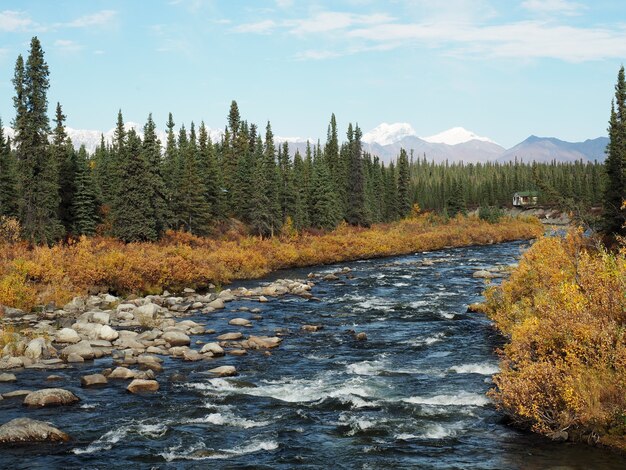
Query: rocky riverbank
[{"x": 135, "y": 334}]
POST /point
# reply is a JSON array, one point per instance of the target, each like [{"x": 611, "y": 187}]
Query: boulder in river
[
  {"x": 217, "y": 304},
  {"x": 224, "y": 371},
  {"x": 240, "y": 322},
  {"x": 50, "y": 397},
  {"x": 312, "y": 327},
  {"x": 122, "y": 373},
  {"x": 176, "y": 338},
  {"x": 230, "y": 336},
  {"x": 22, "y": 430},
  {"x": 67, "y": 335},
  {"x": 82, "y": 349},
  {"x": 142, "y": 385},
  {"x": 93, "y": 380},
  {"x": 6, "y": 377},
  {"x": 213, "y": 348}
]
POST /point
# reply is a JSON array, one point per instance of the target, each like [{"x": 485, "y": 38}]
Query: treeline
[
  {"x": 493, "y": 184},
  {"x": 136, "y": 187}
]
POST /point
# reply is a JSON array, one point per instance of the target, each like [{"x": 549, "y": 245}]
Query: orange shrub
[
  {"x": 54, "y": 274},
  {"x": 564, "y": 369}
]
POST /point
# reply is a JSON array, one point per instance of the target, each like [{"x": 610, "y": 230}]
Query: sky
[{"x": 504, "y": 69}]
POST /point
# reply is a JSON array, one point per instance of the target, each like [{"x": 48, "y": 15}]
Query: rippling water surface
[{"x": 411, "y": 396}]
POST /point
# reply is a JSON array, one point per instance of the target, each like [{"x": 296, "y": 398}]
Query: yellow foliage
[
  {"x": 564, "y": 310},
  {"x": 29, "y": 277}
]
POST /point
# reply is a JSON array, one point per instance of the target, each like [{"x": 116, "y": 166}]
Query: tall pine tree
[
  {"x": 615, "y": 189},
  {"x": 38, "y": 172}
]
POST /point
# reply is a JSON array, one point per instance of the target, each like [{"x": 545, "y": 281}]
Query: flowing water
[{"x": 411, "y": 396}]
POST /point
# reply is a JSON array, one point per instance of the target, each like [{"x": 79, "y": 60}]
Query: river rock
[
  {"x": 50, "y": 397},
  {"x": 21, "y": 430},
  {"x": 484, "y": 274},
  {"x": 240, "y": 322},
  {"x": 217, "y": 304},
  {"x": 35, "y": 349},
  {"x": 362, "y": 336},
  {"x": 230, "y": 336},
  {"x": 261, "y": 342},
  {"x": 108, "y": 334},
  {"x": 224, "y": 371},
  {"x": 74, "y": 358},
  {"x": 82, "y": 349},
  {"x": 6, "y": 377},
  {"x": 213, "y": 348},
  {"x": 312, "y": 327},
  {"x": 142, "y": 385},
  {"x": 192, "y": 355},
  {"x": 122, "y": 373},
  {"x": 237, "y": 352},
  {"x": 92, "y": 380},
  {"x": 146, "y": 312},
  {"x": 67, "y": 335},
  {"x": 176, "y": 338},
  {"x": 100, "y": 317}
]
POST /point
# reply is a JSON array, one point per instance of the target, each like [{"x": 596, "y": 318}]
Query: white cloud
[
  {"x": 284, "y": 3},
  {"x": 553, "y": 6},
  {"x": 12, "y": 21},
  {"x": 327, "y": 21},
  {"x": 100, "y": 18},
  {"x": 67, "y": 45},
  {"x": 259, "y": 27},
  {"x": 526, "y": 39}
]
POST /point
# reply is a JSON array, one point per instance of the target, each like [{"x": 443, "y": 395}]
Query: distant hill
[
  {"x": 386, "y": 140},
  {"x": 546, "y": 149}
]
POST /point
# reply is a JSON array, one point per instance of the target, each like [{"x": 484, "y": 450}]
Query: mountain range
[{"x": 386, "y": 140}]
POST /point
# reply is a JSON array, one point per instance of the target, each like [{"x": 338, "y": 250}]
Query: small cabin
[{"x": 525, "y": 198}]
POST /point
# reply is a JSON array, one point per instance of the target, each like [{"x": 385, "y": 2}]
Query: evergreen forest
[{"x": 137, "y": 187}]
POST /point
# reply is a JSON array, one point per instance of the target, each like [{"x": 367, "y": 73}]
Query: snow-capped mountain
[
  {"x": 386, "y": 140},
  {"x": 386, "y": 134},
  {"x": 455, "y": 136}
]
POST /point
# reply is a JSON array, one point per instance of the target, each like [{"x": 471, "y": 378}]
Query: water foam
[
  {"x": 110, "y": 438},
  {"x": 200, "y": 452},
  {"x": 459, "y": 399},
  {"x": 484, "y": 368}
]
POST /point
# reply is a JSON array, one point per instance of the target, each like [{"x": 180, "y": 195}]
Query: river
[{"x": 411, "y": 396}]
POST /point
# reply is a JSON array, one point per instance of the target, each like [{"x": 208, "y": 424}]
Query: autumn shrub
[
  {"x": 564, "y": 367},
  {"x": 40, "y": 275}
]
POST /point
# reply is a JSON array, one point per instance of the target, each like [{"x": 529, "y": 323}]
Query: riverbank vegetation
[
  {"x": 563, "y": 372},
  {"x": 42, "y": 274}
]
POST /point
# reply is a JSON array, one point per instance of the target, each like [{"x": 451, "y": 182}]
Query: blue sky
[{"x": 503, "y": 69}]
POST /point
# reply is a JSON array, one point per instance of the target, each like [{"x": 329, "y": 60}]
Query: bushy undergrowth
[
  {"x": 32, "y": 276},
  {"x": 564, "y": 368}
]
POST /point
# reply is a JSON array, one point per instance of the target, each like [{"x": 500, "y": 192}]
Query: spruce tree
[
  {"x": 324, "y": 213},
  {"x": 157, "y": 189},
  {"x": 192, "y": 211},
  {"x": 404, "y": 200},
  {"x": 302, "y": 190},
  {"x": 261, "y": 216},
  {"x": 456, "y": 202},
  {"x": 287, "y": 192},
  {"x": 85, "y": 202},
  {"x": 133, "y": 215},
  {"x": 64, "y": 157},
  {"x": 8, "y": 178},
  {"x": 272, "y": 189},
  {"x": 615, "y": 163},
  {"x": 356, "y": 211},
  {"x": 38, "y": 172}
]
